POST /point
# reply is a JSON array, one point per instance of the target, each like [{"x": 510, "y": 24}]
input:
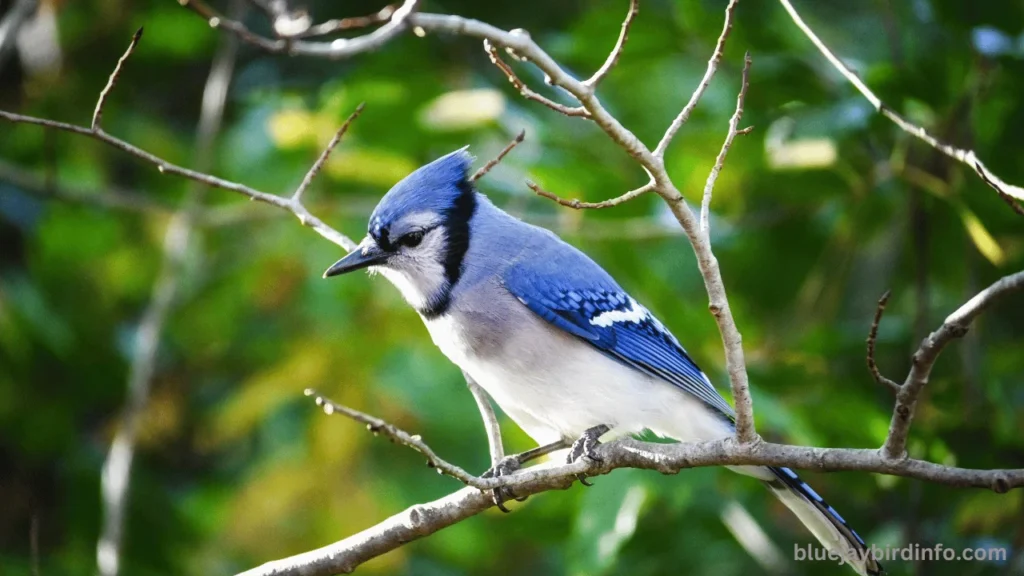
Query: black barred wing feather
[{"x": 614, "y": 323}]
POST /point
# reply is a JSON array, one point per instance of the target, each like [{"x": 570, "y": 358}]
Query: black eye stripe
[{"x": 410, "y": 239}]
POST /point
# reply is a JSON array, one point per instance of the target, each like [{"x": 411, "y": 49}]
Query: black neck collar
[{"x": 456, "y": 224}]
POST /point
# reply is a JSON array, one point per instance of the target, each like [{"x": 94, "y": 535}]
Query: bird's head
[{"x": 419, "y": 233}]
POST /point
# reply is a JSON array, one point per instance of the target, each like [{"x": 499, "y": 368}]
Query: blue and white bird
[{"x": 554, "y": 340}]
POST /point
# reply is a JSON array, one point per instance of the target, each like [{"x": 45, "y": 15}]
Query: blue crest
[{"x": 435, "y": 187}]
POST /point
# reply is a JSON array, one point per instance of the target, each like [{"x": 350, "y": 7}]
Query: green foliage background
[{"x": 822, "y": 208}]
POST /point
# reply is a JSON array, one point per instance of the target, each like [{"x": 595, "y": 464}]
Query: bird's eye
[{"x": 412, "y": 239}]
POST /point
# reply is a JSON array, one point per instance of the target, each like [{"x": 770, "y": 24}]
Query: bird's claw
[
  {"x": 504, "y": 467},
  {"x": 584, "y": 446}
]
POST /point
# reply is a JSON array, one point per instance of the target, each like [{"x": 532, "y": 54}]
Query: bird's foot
[
  {"x": 584, "y": 446},
  {"x": 506, "y": 466}
]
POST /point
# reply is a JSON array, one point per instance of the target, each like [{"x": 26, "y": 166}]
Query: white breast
[{"x": 556, "y": 386}]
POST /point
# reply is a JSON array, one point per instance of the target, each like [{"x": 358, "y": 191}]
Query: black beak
[{"x": 365, "y": 255}]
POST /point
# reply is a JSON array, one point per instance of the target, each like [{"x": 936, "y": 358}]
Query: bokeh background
[{"x": 819, "y": 211}]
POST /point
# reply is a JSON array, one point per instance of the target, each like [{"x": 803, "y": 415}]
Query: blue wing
[{"x": 568, "y": 289}]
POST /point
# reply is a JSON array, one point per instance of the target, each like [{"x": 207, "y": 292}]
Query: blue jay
[{"x": 554, "y": 340}]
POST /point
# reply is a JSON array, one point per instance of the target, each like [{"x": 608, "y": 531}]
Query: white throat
[{"x": 419, "y": 274}]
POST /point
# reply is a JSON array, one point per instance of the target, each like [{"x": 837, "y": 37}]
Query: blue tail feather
[{"x": 788, "y": 480}]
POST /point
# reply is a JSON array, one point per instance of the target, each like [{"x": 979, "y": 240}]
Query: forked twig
[
  {"x": 955, "y": 326},
  {"x": 524, "y": 90}
]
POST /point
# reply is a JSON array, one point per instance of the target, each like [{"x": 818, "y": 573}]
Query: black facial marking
[
  {"x": 379, "y": 233},
  {"x": 456, "y": 221}
]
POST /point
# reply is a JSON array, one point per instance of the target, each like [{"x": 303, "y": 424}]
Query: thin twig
[
  {"x": 734, "y": 130},
  {"x": 716, "y": 57},
  {"x": 955, "y": 326},
  {"x": 872, "y": 337},
  {"x": 495, "y": 446},
  {"x": 620, "y": 44},
  {"x": 319, "y": 164},
  {"x": 524, "y": 90},
  {"x": 97, "y": 115},
  {"x": 580, "y": 205},
  {"x": 968, "y": 157},
  {"x": 501, "y": 155},
  {"x": 396, "y": 434},
  {"x": 378, "y": 426}
]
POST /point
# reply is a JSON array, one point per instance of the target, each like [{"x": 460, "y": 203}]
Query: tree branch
[
  {"x": 955, "y": 326},
  {"x": 1008, "y": 192},
  {"x": 734, "y": 130}
]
